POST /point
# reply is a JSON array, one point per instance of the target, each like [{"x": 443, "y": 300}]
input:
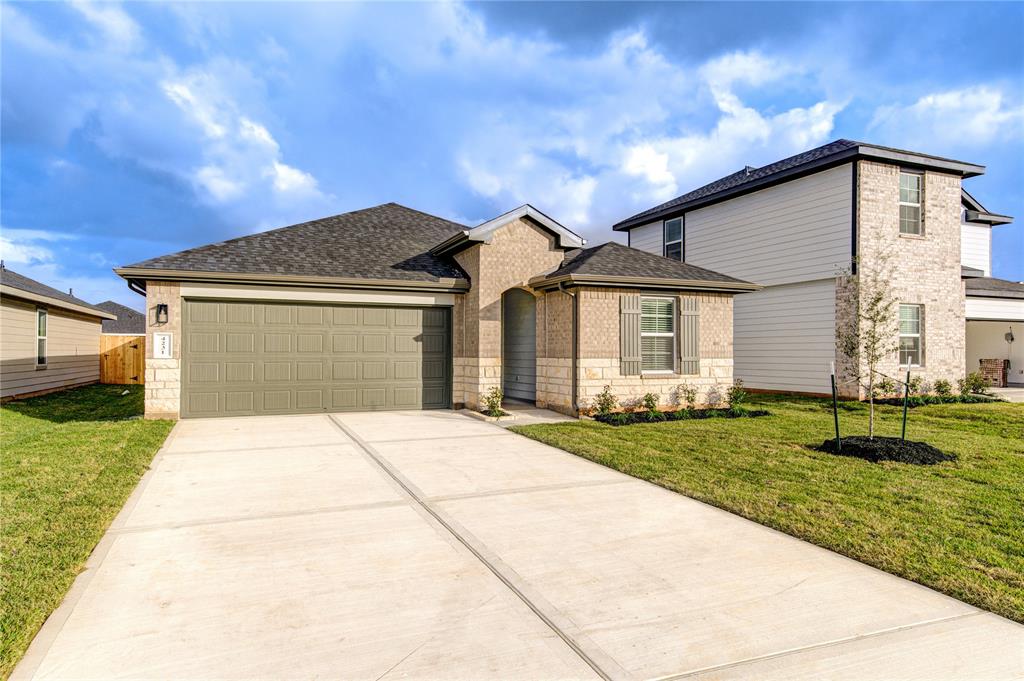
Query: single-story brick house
[
  {"x": 391, "y": 308},
  {"x": 49, "y": 340}
]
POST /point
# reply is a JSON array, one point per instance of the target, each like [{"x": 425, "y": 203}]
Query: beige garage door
[{"x": 246, "y": 357}]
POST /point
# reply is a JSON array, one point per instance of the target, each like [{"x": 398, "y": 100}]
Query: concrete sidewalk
[{"x": 432, "y": 545}]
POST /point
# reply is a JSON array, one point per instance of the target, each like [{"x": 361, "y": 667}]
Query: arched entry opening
[{"x": 519, "y": 345}]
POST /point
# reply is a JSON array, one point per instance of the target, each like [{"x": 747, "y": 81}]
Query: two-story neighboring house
[{"x": 797, "y": 225}]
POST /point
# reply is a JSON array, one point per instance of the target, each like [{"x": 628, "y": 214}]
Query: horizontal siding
[
  {"x": 976, "y": 247},
  {"x": 1010, "y": 309},
  {"x": 647, "y": 238},
  {"x": 784, "y": 337},
  {"x": 792, "y": 232},
  {"x": 72, "y": 347}
]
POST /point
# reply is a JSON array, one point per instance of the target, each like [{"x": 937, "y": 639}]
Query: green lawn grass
[
  {"x": 956, "y": 527},
  {"x": 68, "y": 462}
]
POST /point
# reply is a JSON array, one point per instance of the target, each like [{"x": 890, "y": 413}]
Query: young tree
[{"x": 869, "y": 336}]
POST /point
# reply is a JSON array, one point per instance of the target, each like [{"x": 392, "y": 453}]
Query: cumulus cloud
[{"x": 977, "y": 115}]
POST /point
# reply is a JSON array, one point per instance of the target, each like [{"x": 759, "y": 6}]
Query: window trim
[
  {"x": 43, "y": 315},
  {"x": 656, "y": 334},
  {"x": 665, "y": 243},
  {"x": 919, "y": 336},
  {"x": 919, "y": 205}
]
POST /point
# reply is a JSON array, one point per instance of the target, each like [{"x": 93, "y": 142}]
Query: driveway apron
[{"x": 432, "y": 545}]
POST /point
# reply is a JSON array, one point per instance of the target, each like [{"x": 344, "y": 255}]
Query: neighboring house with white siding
[
  {"x": 799, "y": 225},
  {"x": 49, "y": 340}
]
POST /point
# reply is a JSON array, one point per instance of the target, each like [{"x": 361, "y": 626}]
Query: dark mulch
[
  {"x": 924, "y": 400},
  {"x": 887, "y": 449},
  {"x": 627, "y": 418}
]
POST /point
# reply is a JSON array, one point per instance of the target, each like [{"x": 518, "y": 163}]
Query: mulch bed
[
  {"x": 627, "y": 418},
  {"x": 887, "y": 449},
  {"x": 924, "y": 400}
]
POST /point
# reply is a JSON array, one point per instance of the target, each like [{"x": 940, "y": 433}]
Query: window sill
[{"x": 916, "y": 237}]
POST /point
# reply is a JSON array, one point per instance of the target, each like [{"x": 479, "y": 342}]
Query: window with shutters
[{"x": 658, "y": 335}]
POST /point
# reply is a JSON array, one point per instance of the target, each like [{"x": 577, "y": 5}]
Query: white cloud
[
  {"x": 242, "y": 163},
  {"x": 979, "y": 115},
  {"x": 119, "y": 30}
]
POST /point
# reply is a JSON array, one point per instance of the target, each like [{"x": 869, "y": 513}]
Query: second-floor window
[
  {"x": 911, "y": 191},
  {"x": 674, "y": 239},
  {"x": 910, "y": 335}
]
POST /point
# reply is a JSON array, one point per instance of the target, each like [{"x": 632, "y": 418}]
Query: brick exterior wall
[
  {"x": 925, "y": 269},
  {"x": 517, "y": 252},
  {"x": 163, "y": 376},
  {"x": 599, "y": 351}
]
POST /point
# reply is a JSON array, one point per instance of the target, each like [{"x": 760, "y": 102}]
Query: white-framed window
[
  {"x": 674, "y": 239},
  {"x": 911, "y": 193},
  {"x": 658, "y": 335},
  {"x": 41, "y": 319},
  {"x": 910, "y": 335}
]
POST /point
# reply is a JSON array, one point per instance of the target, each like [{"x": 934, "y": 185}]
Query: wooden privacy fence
[{"x": 122, "y": 359}]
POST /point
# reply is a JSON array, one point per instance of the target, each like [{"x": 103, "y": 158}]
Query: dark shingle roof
[
  {"x": 994, "y": 288},
  {"x": 128, "y": 320},
  {"x": 385, "y": 242},
  {"x": 746, "y": 176},
  {"x": 615, "y": 260},
  {"x": 23, "y": 283},
  {"x": 834, "y": 152}
]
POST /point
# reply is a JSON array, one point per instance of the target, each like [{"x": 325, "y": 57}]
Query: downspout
[{"x": 573, "y": 379}]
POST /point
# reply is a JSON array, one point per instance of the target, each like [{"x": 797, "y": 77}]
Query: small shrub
[
  {"x": 885, "y": 388},
  {"x": 606, "y": 401},
  {"x": 974, "y": 382},
  {"x": 916, "y": 383},
  {"x": 943, "y": 388},
  {"x": 650, "y": 402},
  {"x": 686, "y": 394},
  {"x": 736, "y": 395},
  {"x": 618, "y": 419},
  {"x": 714, "y": 397},
  {"x": 492, "y": 400}
]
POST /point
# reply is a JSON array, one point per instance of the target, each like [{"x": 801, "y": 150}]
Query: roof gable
[
  {"x": 483, "y": 233},
  {"x": 614, "y": 263}
]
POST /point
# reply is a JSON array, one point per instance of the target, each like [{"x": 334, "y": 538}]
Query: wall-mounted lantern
[{"x": 161, "y": 313}]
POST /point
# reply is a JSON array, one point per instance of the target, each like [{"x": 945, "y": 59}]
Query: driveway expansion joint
[
  {"x": 599, "y": 661},
  {"x": 817, "y": 646}
]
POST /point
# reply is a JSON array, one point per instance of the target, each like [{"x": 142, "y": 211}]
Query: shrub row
[
  {"x": 922, "y": 400},
  {"x": 625, "y": 418}
]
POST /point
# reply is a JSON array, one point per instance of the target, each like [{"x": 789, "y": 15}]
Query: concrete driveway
[{"x": 432, "y": 545}]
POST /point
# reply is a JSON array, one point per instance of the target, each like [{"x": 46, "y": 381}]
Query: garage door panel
[
  {"x": 240, "y": 313},
  {"x": 240, "y": 342},
  {"x": 313, "y": 358}
]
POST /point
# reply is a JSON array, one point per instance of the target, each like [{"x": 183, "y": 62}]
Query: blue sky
[{"x": 133, "y": 130}]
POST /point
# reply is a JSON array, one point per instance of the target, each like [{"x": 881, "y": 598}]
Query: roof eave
[
  {"x": 154, "y": 274},
  {"x": 991, "y": 219},
  {"x": 54, "y": 302},
  {"x": 862, "y": 151},
  {"x": 547, "y": 282}
]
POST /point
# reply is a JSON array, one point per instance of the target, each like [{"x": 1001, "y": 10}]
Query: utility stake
[
  {"x": 835, "y": 410},
  {"x": 906, "y": 394}
]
